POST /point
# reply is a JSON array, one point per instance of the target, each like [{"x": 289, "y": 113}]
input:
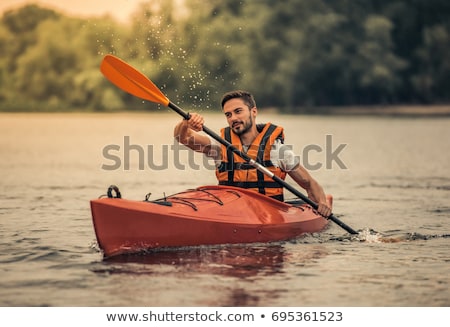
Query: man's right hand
[{"x": 195, "y": 122}]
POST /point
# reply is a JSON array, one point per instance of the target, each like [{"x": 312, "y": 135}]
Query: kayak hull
[{"x": 208, "y": 215}]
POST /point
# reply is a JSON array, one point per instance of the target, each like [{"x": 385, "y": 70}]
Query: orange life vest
[{"x": 234, "y": 170}]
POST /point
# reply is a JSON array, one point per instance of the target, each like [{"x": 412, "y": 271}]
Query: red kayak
[{"x": 206, "y": 215}]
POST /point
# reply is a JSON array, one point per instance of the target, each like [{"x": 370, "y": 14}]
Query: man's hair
[{"x": 247, "y": 97}]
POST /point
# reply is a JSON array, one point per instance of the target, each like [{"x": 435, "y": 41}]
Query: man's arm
[
  {"x": 315, "y": 192},
  {"x": 283, "y": 156},
  {"x": 187, "y": 132}
]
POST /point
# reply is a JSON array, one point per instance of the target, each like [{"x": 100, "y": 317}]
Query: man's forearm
[{"x": 190, "y": 138}]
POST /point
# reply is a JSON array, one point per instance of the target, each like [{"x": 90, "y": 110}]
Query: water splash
[
  {"x": 367, "y": 235},
  {"x": 95, "y": 246}
]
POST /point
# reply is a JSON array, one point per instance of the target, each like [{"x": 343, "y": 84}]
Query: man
[{"x": 262, "y": 142}]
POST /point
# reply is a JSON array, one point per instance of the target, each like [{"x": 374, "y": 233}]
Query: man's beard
[{"x": 244, "y": 128}]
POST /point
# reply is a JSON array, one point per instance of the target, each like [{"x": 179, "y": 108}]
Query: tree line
[{"x": 291, "y": 54}]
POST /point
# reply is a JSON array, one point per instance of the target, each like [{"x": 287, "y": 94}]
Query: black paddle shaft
[{"x": 261, "y": 168}]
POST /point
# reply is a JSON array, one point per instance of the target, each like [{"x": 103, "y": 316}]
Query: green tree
[
  {"x": 290, "y": 54},
  {"x": 379, "y": 77},
  {"x": 432, "y": 80},
  {"x": 6, "y": 38},
  {"x": 22, "y": 23}
]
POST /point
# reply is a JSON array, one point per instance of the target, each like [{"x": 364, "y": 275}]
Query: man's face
[{"x": 239, "y": 116}]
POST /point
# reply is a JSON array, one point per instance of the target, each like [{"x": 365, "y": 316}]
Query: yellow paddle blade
[{"x": 131, "y": 81}]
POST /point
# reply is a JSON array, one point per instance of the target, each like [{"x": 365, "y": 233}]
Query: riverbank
[
  {"x": 400, "y": 110},
  {"x": 408, "y": 110}
]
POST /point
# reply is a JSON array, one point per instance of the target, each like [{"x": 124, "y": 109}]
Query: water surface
[{"x": 394, "y": 188}]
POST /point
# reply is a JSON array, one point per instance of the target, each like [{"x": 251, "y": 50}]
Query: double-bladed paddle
[{"x": 134, "y": 82}]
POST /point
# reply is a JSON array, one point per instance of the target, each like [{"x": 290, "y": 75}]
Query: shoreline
[{"x": 376, "y": 110}]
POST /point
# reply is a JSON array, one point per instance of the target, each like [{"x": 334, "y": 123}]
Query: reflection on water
[
  {"x": 238, "y": 261},
  {"x": 247, "y": 263}
]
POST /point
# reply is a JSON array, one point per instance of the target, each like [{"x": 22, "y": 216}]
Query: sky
[{"x": 119, "y": 9}]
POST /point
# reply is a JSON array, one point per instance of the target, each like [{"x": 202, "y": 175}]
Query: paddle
[{"x": 134, "y": 82}]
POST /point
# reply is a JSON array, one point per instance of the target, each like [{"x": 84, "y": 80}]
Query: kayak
[{"x": 207, "y": 215}]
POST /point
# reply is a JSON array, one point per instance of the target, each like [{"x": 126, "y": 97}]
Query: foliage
[{"x": 290, "y": 54}]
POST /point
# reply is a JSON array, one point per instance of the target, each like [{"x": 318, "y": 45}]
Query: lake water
[{"x": 390, "y": 181}]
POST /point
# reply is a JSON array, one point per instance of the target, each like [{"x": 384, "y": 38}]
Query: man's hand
[
  {"x": 324, "y": 207},
  {"x": 195, "y": 122}
]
